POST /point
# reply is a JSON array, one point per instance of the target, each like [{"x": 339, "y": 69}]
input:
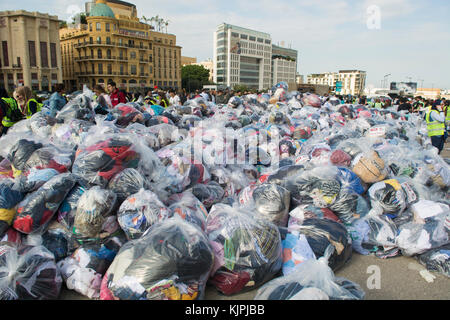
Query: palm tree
[{"x": 166, "y": 24}]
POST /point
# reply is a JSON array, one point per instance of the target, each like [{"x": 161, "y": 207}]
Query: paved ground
[{"x": 400, "y": 278}]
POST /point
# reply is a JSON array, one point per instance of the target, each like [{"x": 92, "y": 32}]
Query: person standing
[
  {"x": 116, "y": 96},
  {"x": 27, "y": 104},
  {"x": 103, "y": 100},
  {"x": 174, "y": 99},
  {"x": 57, "y": 100},
  {"x": 9, "y": 112},
  {"x": 435, "y": 119}
]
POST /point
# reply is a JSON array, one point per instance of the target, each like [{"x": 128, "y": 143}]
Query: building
[
  {"x": 187, "y": 60},
  {"x": 284, "y": 65},
  {"x": 242, "y": 57},
  {"x": 208, "y": 65},
  {"x": 115, "y": 45},
  {"x": 344, "y": 82},
  {"x": 299, "y": 79},
  {"x": 428, "y": 93},
  {"x": 30, "y": 50}
]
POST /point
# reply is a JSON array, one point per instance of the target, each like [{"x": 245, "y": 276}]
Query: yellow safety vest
[{"x": 435, "y": 128}]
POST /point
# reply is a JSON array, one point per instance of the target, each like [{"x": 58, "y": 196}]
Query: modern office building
[
  {"x": 30, "y": 52},
  {"x": 284, "y": 65},
  {"x": 115, "y": 45},
  {"x": 242, "y": 57}
]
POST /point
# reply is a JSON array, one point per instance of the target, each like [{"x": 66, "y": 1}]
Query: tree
[{"x": 194, "y": 77}]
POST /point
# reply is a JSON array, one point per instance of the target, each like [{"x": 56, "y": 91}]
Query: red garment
[{"x": 117, "y": 97}]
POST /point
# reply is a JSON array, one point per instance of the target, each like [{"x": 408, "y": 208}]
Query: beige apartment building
[
  {"x": 116, "y": 46},
  {"x": 352, "y": 82},
  {"x": 30, "y": 52}
]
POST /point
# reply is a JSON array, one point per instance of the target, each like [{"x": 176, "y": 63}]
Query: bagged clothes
[
  {"x": 370, "y": 168},
  {"x": 38, "y": 208},
  {"x": 340, "y": 158},
  {"x": 95, "y": 217},
  {"x": 272, "y": 202},
  {"x": 49, "y": 158},
  {"x": 68, "y": 208},
  {"x": 416, "y": 237},
  {"x": 126, "y": 183},
  {"x": 320, "y": 233},
  {"x": 36, "y": 179},
  {"x": 10, "y": 196},
  {"x": 57, "y": 242},
  {"x": 350, "y": 182},
  {"x": 139, "y": 212},
  {"x": 208, "y": 194},
  {"x": 84, "y": 269},
  {"x": 311, "y": 280},
  {"x": 437, "y": 260},
  {"x": 80, "y": 110},
  {"x": 309, "y": 211},
  {"x": 391, "y": 196},
  {"x": 171, "y": 261},
  {"x": 28, "y": 273},
  {"x": 20, "y": 153},
  {"x": 296, "y": 250},
  {"x": 374, "y": 234},
  {"x": 247, "y": 249},
  {"x": 189, "y": 208}
]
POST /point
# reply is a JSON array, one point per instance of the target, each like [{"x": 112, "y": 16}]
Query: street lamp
[{"x": 385, "y": 80}]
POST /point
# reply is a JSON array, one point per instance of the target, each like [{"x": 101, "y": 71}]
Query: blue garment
[{"x": 56, "y": 103}]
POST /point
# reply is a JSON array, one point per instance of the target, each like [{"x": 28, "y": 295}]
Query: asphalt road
[{"x": 399, "y": 278}]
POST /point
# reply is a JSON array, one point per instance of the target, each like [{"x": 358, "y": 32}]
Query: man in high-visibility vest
[
  {"x": 447, "y": 116},
  {"x": 435, "y": 119}
]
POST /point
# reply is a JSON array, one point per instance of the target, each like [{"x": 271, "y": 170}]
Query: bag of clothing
[
  {"x": 272, "y": 202},
  {"x": 10, "y": 196},
  {"x": 247, "y": 249},
  {"x": 20, "y": 153},
  {"x": 189, "y": 208},
  {"x": 171, "y": 261},
  {"x": 369, "y": 167},
  {"x": 84, "y": 269},
  {"x": 95, "y": 218},
  {"x": 68, "y": 209},
  {"x": 208, "y": 194},
  {"x": 139, "y": 212},
  {"x": 437, "y": 260},
  {"x": 320, "y": 233},
  {"x": 38, "y": 208},
  {"x": 28, "y": 273},
  {"x": 311, "y": 280},
  {"x": 126, "y": 183}
]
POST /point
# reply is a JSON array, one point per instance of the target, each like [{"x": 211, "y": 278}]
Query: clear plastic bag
[
  {"x": 37, "y": 209},
  {"x": 139, "y": 212},
  {"x": 28, "y": 273},
  {"x": 171, "y": 261},
  {"x": 311, "y": 280},
  {"x": 95, "y": 216},
  {"x": 247, "y": 249},
  {"x": 272, "y": 202}
]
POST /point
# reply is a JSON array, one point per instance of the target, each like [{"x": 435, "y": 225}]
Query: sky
[{"x": 408, "y": 39}]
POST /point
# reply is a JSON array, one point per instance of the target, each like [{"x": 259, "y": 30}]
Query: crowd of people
[{"x": 23, "y": 104}]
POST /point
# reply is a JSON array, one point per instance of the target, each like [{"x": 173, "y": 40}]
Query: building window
[
  {"x": 53, "y": 55},
  {"x": 99, "y": 40},
  {"x": 100, "y": 68},
  {"x": 244, "y": 36},
  {"x": 133, "y": 69},
  {"x": 107, "y": 27},
  {"x": 109, "y": 69},
  {"x": 5, "y": 53},
  {"x": 252, "y": 38},
  {"x": 108, "y": 40},
  {"x": 108, "y": 54},
  {"x": 90, "y": 27},
  {"x": 99, "y": 53},
  {"x": 234, "y": 35},
  {"x": 44, "y": 55},
  {"x": 99, "y": 26},
  {"x": 150, "y": 58},
  {"x": 32, "y": 53},
  {"x": 133, "y": 55}
]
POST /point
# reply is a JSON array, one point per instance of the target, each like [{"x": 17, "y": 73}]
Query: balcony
[
  {"x": 144, "y": 61},
  {"x": 94, "y": 44}
]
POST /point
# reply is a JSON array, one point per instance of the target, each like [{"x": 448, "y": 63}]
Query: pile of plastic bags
[{"x": 271, "y": 192}]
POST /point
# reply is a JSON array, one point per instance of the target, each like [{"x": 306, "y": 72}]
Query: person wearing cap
[{"x": 435, "y": 119}]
